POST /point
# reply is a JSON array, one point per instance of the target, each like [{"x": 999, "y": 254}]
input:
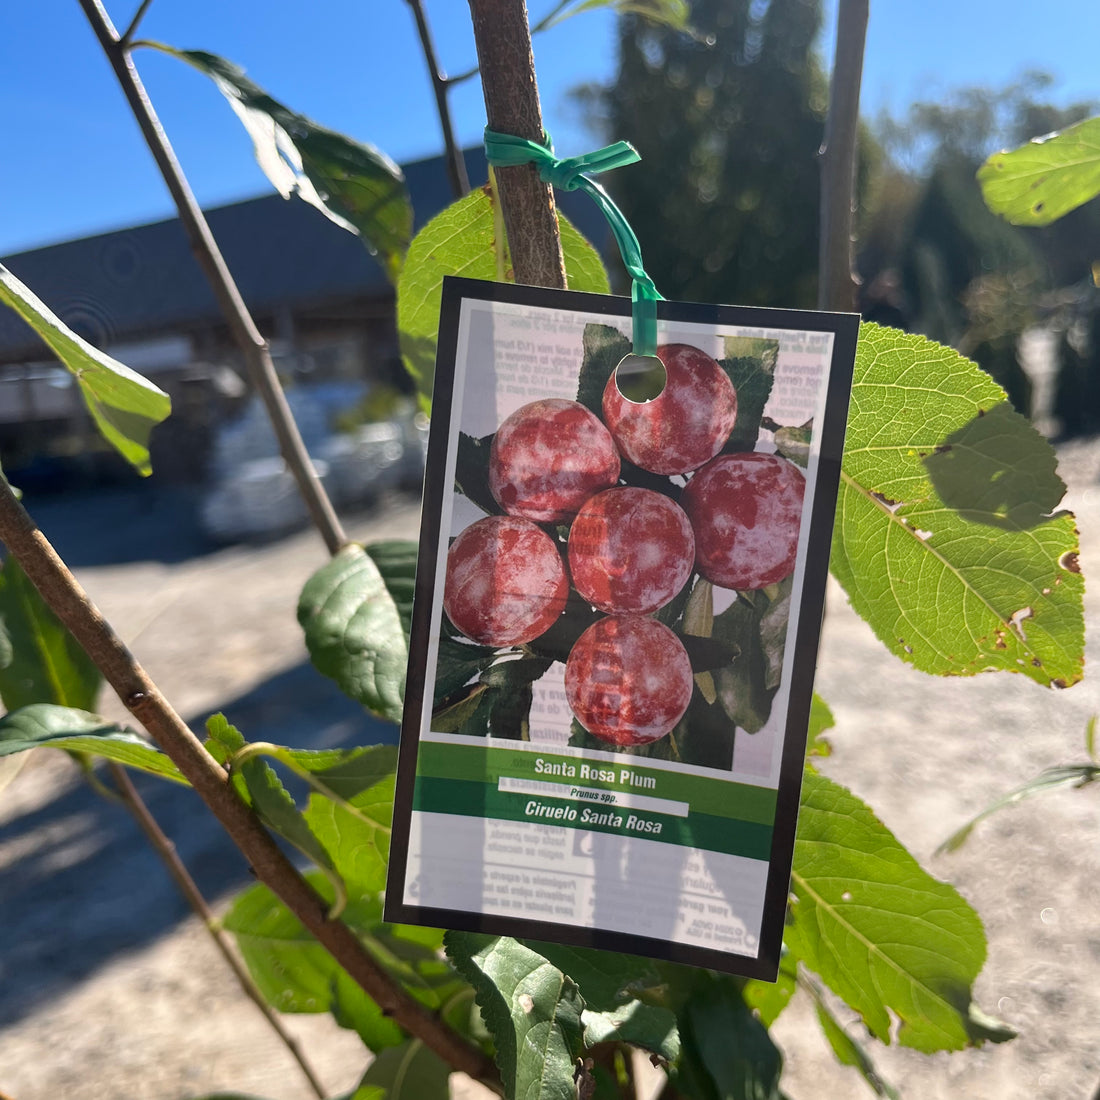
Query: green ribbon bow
[{"x": 571, "y": 174}]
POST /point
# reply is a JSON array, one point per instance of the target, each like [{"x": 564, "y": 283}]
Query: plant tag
[{"x": 618, "y": 600}]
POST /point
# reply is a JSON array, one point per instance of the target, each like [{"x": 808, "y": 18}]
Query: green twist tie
[{"x": 506, "y": 151}]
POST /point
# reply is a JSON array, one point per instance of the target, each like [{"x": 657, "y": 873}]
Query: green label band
[
  {"x": 720, "y": 798},
  {"x": 469, "y": 798}
]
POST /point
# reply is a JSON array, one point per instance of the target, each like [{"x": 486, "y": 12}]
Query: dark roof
[{"x": 141, "y": 281}]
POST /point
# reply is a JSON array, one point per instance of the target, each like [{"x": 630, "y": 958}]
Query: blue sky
[{"x": 72, "y": 162}]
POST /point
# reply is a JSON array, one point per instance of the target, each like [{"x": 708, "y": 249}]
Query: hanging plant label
[{"x": 618, "y": 601}]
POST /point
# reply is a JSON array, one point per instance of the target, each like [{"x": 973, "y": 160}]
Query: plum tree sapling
[
  {"x": 506, "y": 582},
  {"x": 685, "y": 425},
  {"x": 548, "y": 458},
  {"x": 630, "y": 550},
  {"x": 628, "y": 680},
  {"x": 746, "y": 511}
]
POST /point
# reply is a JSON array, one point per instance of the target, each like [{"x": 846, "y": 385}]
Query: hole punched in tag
[{"x": 640, "y": 378}]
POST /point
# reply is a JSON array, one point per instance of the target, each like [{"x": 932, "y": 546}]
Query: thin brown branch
[
  {"x": 49, "y": 574},
  {"x": 131, "y": 30},
  {"x": 512, "y": 107},
  {"x": 246, "y": 335},
  {"x": 456, "y": 163},
  {"x": 166, "y": 850},
  {"x": 838, "y": 284}
]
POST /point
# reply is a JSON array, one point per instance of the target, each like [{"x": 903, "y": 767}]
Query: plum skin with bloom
[
  {"x": 506, "y": 583},
  {"x": 746, "y": 511},
  {"x": 630, "y": 550},
  {"x": 548, "y": 457},
  {"x": 685, "y": 425},
  {"x": 628, "y": 680}
]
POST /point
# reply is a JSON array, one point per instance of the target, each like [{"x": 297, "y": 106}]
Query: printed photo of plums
[{"x": 646, "y": 547}]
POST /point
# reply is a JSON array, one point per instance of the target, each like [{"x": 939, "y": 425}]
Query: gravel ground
[{"x": 126, "y": 999}]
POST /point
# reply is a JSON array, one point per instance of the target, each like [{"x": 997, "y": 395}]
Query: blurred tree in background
[{"x": 728, "y": 122}]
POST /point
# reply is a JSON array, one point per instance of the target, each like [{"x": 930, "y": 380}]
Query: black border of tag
[{"x": 845, "y": 329}]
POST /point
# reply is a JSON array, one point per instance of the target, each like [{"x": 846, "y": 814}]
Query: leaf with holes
[
  {"x": 884, "y": 936},
  {"x": 40, "y": 661},
  {"x": 531, "y": 1008},
  {"x": 124, "y": 406},
  {"x": 43, "y": 725},
  {"x": 1048, "y": 177},
  {"x": 948, "y": 539},
  {"x": 467, "y": 239},
  {"x": 354, "y": 633},
  {"x": 353, "y": 184}
]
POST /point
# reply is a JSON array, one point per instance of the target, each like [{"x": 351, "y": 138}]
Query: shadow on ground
[
  {"x": 83, "y": 885},
  {"x": 132, "y": 523}
]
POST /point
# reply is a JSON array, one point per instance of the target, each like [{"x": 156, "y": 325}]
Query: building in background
[{"x": 317, "y": 295}]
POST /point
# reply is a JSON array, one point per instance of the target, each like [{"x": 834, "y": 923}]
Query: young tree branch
[
  {"x": 456, "y": 163},
  {"x": 512, "y": 107},
  {"x": 838, "y": 284},
  {"x": 49, "y": 574},
  {"x": 166, "y": 850},
  {"x": 131, "y": 30},
  {"x": 247, "y": 336}
]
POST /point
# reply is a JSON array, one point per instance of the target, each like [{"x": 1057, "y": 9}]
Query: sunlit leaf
[
  {"x": 948, "y": 539},
  {"x": 353, "y": 184},
  {"x": 886, "y": 937},
  {"x": 640, "y": 1025},
  {"x": 1048, "y": 177},
  {"x": 768, "y": 999},
  {"x": 465, "y": 239},
  {"x": 354, "y": 633},
  {"x": 43, "y": 725},
  {"x": 124, "y": 406},
  {"x": 532, "y": 1010}
]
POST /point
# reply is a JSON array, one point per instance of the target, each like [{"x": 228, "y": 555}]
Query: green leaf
[
  {"x": 1048, "y": 177},
  {"x": 465, "y": 240},
  {"x": 408, "y": 1072},
  {"x": 726, "y": 1045},
  {"x": 40, "y": 661},
  {"x": 884, "y": 935},
  {"x": 353, "y": 631},
  {"x": 124, "y": 406},
  {"x": 948, "y": 538},
  {"x": 669, "y": 13},
  {"x": 641, "y": 1025},
  {"x": 354, "y": 185},
  {"x": 295, "y": 973},
  {"x": 42, "y": 725},
  {"x": 848, "y": 1051},
  {"x": 768, "y": 999},
  {"x": 750, "y": 364},
  {"x": 1050, "y": 779},
  {"x": 352, "y": 815},
  {"x": 396, "y": 562},
  {"x": 607, "y": 979},
  {"x": 472, "y": 472},
  {"x": 821, "y": 719},
  {"x": 605, "y": 347},
  {"x": 531, "y": 1008}
]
